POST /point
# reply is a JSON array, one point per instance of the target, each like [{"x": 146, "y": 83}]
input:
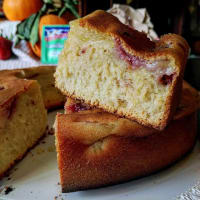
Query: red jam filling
[
  {"x": 78, "y": 107},
  {"x": 83, "y": 50},
  {"x": 159, "y": 67},
  {"x": 134, "y": 61}
]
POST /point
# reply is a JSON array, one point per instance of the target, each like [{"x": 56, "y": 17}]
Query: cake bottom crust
[{"x": 84, "y": 163}]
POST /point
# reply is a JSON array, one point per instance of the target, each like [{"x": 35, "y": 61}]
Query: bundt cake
[
  {"x": 95, "y": 148},
  {"x": 114, "y": 67},
  {"x": 22, "y": 111}
]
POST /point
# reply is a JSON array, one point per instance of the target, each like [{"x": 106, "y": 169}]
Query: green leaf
[
  {"x": 43, "y": 9},
  {"x": 48, "y": 1},
  {"x": 11, "y": 36},
  {"x": 21, "y": 37},
  {"x": 72, "y": 7},
  {"x": 17, "y": 41},
  {"x": 34, "y": 31},
  {"x": 62, "y": 11},
  {"x": 21, "y": 28},
  {"x": 24, "y": 28},
  {"x": 75, "y": 2},
  {"x": 29, "y": 24},
  {"x": 34, "y": 36}
]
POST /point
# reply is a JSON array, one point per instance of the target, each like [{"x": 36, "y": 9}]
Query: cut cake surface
[
  {"x": 24, "y": 95},
  {"x": 23, "y": 118},
  {"x": 114, "y": 67}
]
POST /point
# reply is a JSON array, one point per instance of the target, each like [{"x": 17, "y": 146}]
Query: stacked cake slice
[
  {"x": 119, "y": 75},
  {"x": 111, "y": 66}
]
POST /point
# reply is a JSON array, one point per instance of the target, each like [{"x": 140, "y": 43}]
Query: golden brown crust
[
  {"x": 98, "y": 149},
  {"x": 112, "y": 159},
  {"x": 10, "y": 88},
  {"x": 137, "y": 42}
]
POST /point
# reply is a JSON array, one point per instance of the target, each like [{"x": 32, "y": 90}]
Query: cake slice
[
  {"x": 23, "y": 118},
  {"x": 97, "y": 149},
  {"x": 116, "y": 68},
  {"x": 25, "y": 94}
]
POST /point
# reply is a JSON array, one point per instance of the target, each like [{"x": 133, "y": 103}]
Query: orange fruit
[
  {"x": 21, "y": 9},
  {"x": 36, "y": 48},
  {"x": 50, "y": 19}
]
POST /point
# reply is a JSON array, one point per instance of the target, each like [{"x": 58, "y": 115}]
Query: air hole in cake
[
  {"x": 2, "y": 87},
  {"x": 126, "y": 34},
  {"x": 122, "y": 103},
  {"x": 166, "y": 79},
  {"x": 33, "y": 102}
]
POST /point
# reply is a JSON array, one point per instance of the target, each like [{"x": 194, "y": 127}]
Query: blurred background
[{"x": 172, "y": 16}]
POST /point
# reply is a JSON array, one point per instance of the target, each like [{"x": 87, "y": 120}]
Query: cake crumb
[
  {"x": 50, "y": 131},
  {"x": 6, "y": 190}
]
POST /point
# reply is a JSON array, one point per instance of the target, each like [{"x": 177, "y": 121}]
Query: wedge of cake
[
  {"x": 96, "y": 148},
  {"x": 23, "y": 118},
  {"x": 114, "y": 67},
  {"x": 25, "y": 94}
]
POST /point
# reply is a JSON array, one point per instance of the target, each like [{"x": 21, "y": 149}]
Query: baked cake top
[
  {"x": 12, "y": 84},
  {"x": 135, "y": 42}
]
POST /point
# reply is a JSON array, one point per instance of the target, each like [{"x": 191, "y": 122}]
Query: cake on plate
[{"x": 96, "y": 148}]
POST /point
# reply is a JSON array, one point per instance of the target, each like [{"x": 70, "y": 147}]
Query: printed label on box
[{"x": 53, "y": 39}]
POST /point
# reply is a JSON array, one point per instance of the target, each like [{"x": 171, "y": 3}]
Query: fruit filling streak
[{"x": 160, "y": 68}]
